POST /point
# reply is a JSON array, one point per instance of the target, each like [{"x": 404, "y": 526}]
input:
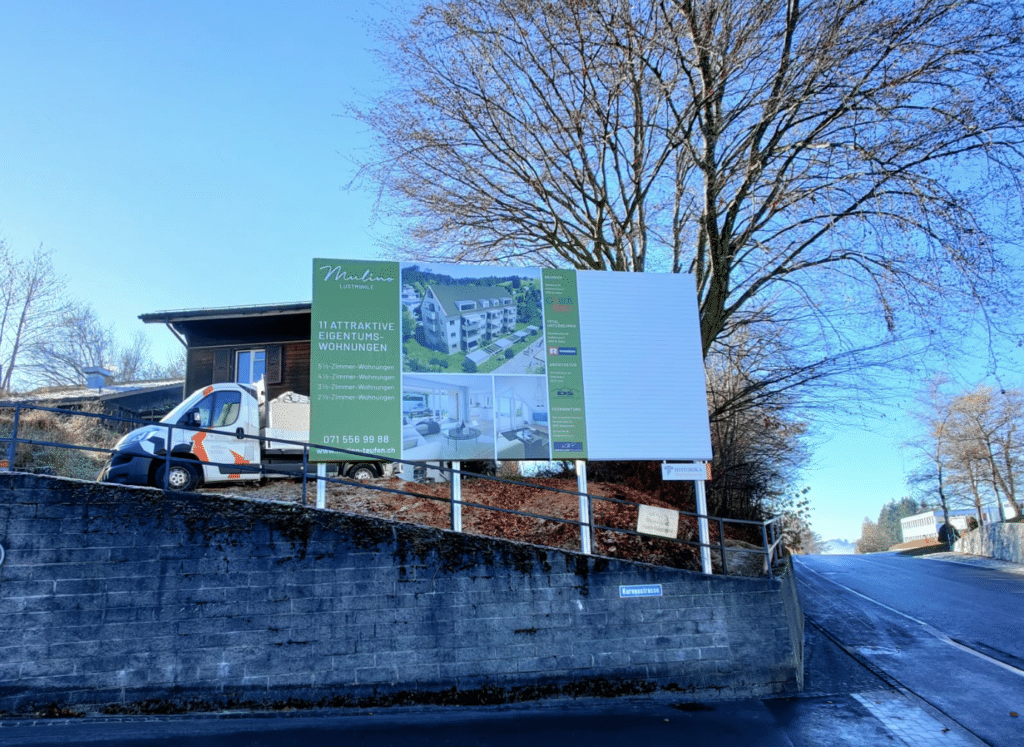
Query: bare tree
[
  {"x": 79, "y": 340},
  {"x": 31, "y": 303},
  {"x": 931, "y": 478},
  {"x": 986, "y": 442},
  {"x": 847, "y": 164},
  {"x": 970, "y": 453},
  {"x": 756, "y": 435}
]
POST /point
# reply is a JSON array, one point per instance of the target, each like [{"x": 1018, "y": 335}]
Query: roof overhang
[
  {"x": 226, "y": 312},
  {"x": 194, "y": 326}
]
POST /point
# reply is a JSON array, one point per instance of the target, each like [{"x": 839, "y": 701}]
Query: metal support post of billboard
[
  {"x": 456, "y": 491},
  {"x": 585, "y": 518},
  {"x": 321, "y": 485},
  {"x": 702, "y": 527}
]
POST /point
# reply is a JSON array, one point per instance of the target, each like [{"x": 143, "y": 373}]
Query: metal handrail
[{"x": 771, "y": 540}]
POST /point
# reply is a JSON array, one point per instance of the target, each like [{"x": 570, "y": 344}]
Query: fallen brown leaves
[{"x": 552, "y": 498}]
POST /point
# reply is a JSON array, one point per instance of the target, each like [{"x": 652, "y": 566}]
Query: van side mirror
[{"x": 192, "y": 418}]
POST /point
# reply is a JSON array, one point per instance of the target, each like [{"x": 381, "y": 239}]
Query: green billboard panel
[
  {"x": 565, "y": 365},
  {"x": 355, "y": 360}
]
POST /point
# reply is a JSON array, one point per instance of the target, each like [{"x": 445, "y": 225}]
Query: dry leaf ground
[{"x": 548, "y": 497}]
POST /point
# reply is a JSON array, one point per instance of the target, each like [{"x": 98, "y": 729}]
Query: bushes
[{"x": 77, "y": 430}]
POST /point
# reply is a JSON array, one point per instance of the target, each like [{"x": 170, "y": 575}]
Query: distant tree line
[
  {"x": 971, "y": 450},
  {"x": 886, "y": 532}
]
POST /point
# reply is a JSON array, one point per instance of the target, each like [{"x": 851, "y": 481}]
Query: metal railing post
[
  {"x": 767, "y": 547},
  {"x": 167, "y": 457},
  {"x": 305, "y": 467},
  {"x": 11, "y": 447},
  {"x": 721, "y": 544}
]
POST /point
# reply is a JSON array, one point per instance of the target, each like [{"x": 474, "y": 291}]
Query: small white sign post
[
  {"x": 321, "y": 485},
  {"x": 586, "y": 544},
  {"x": 456, "y": 496},
  {"x": 698, "y": 472}
]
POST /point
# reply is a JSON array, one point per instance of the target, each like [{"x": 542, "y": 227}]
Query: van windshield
[{"x": 175, "y": 415}]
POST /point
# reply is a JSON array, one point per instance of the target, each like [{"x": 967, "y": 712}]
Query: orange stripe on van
[
  {"x": 197, "y": 447},
  {"x": 239, "y": 459}
]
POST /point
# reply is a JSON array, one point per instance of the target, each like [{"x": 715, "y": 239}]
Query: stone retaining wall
[
  {"x": 1000, "y": 541},
  {"x": 111, "y": 597}
]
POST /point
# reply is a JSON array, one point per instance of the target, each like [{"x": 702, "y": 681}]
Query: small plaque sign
[
  {"x": 686, "y": 471},
  {"x": 661, "y": 522},
  {"x": 640, "y": 590}
]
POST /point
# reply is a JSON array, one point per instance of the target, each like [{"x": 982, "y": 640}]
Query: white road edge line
[{"x": 928, "y": 628}]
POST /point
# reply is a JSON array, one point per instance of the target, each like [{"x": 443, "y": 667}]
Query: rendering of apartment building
[{"x": 461, "y": 318}]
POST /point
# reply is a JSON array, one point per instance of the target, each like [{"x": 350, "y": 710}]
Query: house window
[{"x": 250, "y": 366}]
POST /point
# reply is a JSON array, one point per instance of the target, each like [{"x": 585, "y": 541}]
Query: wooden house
[{"x": 242, "y": 343}]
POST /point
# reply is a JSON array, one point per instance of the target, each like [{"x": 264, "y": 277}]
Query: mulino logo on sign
[{"x": 341, "y": 274}]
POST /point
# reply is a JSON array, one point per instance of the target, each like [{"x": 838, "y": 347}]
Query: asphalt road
[{"x": 948, "y": 633}]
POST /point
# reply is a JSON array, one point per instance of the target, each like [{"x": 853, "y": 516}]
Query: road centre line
[{"x": 928, "y": 628}]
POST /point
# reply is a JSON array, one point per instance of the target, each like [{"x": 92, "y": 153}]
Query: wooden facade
[{"x": 217, "y": 339}]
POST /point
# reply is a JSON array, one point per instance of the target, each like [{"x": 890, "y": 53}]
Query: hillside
[{"x": 430, "y": 507}]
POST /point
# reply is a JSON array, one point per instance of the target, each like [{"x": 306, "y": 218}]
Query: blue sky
[
  {"x": 182, "y": 154},
  {"x": 190, "y": 154}
]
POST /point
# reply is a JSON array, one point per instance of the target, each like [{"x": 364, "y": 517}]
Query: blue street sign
[{"x": 642, "y": 590}]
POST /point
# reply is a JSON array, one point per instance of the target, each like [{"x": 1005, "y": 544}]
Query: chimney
[{"x": 97, "y": 377}]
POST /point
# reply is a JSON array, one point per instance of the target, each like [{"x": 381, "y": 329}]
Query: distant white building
[
  {"x": 926, "y": 525},
  {"x": 411, "y": 298}
]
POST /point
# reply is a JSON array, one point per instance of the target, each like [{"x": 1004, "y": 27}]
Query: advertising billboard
[{"x": 437, "y": 362}]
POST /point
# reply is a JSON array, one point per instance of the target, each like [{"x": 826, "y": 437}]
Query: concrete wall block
[
  {"x": 479, "y": 668},
  {"x": 22, "y": 588},
  {"x": 130, "y": 614},
  {"x": 477, "y": 654},
  {"x": 611, "y": 659},
  {"x": 351, "y": 662},
  {"x": 420, "y": 673},
  {"x": 377, "y": 675},
  {"x": 314, "y": 605}
]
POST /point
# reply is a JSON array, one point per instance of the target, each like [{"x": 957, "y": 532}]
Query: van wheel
[
  {"x": 363, "y": 473},
  {"x": 183, "y": 477}
]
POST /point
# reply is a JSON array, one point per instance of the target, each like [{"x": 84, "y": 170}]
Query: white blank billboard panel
[{"x": 643, "y": 373}]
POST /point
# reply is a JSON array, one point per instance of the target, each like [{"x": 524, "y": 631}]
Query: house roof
[
  {"x": 226, "y": 312},
  {"x": 237, "y": 324},
  {"x": 449, "y": 295},
  {"x": 72, "y": 394}
]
